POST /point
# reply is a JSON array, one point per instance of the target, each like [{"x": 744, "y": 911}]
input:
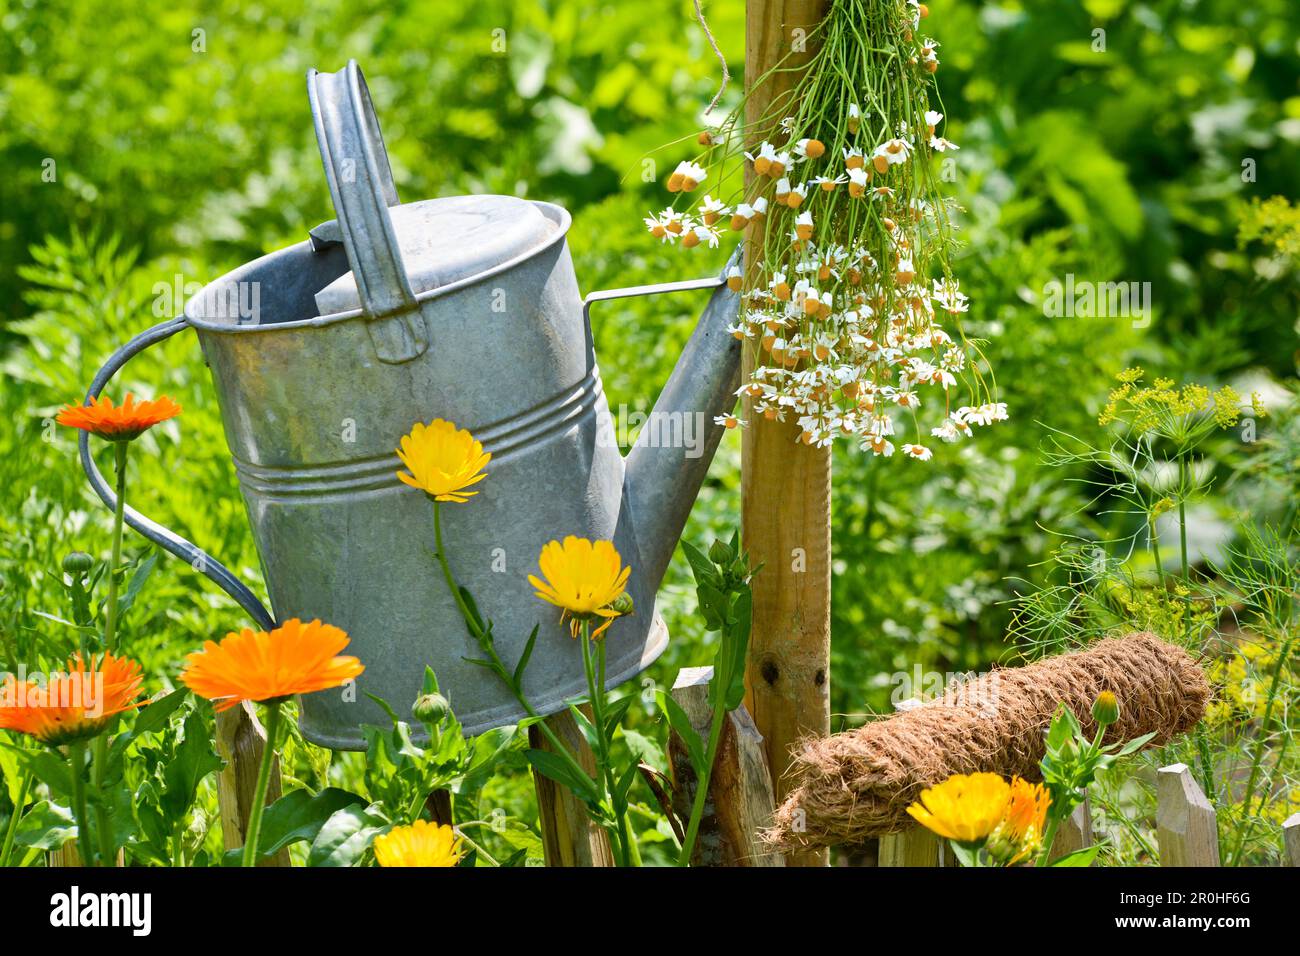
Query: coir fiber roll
[{"x": 858, "y": 784}]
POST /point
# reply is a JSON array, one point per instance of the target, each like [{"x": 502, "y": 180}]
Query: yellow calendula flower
[
  {"x": 965, "y": 807},
  {"x": 420, "y": 844},
  {"x": 443, "y": 460},
  {"x": 1020, "y": 831},
  {"x": 585, "y": 579}
]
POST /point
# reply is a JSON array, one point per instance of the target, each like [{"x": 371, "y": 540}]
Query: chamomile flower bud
[
  {"x": 810, "y": 148},
  {"x": 687, "y": 176},
  {"x": 854, "y": 119},
  {"x": 712, "y": 209},
  {"x": 803, "y": 225},
  {"x": 858, "y": 180}
]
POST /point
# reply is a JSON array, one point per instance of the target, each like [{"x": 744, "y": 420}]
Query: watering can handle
[
  {"x": 361, "y": 187},
  {"x": 164, "y": 538}
]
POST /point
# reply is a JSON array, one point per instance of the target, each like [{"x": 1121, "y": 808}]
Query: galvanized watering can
[{"x": 465, "y": 309}]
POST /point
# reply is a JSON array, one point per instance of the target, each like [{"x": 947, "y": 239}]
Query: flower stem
[
  {"x": 76, "y": 762},
  {"x": 103, "y": 826},
  {"x": 702, "y": 786},
  {"x": 486, "y": 645},
  {"x": 120, "y": 449},
  {"x": 273, "y": 717},
  {"x": 12, "y": 830}
]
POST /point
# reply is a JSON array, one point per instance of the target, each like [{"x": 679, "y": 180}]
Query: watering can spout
[{"x": 671, "y": 456}]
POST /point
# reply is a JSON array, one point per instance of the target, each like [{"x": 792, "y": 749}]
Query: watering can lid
[{"x": 447, "y": 240}]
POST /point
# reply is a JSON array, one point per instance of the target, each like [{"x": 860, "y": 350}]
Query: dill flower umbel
[
  {"x": 261, "y": 666},
  {"x": 420, "y": 844},
  {"x": 125, "y": 423},
  {"x": 585, "y": 579},
  {"x": 443, "y": 460}
]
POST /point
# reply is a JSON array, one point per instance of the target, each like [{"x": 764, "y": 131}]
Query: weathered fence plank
[
  {"x": 916, "y": 846},
  {"x": 741, "y": 800},
  {"x": 569, "y": 838},
  {"x": 240, "y": 742},
  {"x": 1075, "y": 831},
  {"x": 1291, "y": 841},
  {"x": 1186, "y": 827}
]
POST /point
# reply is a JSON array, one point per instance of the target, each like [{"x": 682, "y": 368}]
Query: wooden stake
[
  {"x": 1291, "y": 841},
  {"x": 785, "y": 485},
  {"x": 569, "y": 838},
  {"x": 1185, "y": 822},
  {"x": 915, "y": 846},
  {"x": 240, "y": 741},
  {"x": 740, "y": 802},
  {"x": 1075, "y": 831}
]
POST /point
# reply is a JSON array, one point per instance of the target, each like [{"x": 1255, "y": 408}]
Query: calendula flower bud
[
  {"x": 720, "y": 552},
  {"x": 77, "y": 562},
  {"x": 430, "y": 708},
  {"x": 622, "y": 605},
  {"x": 1105, "y": 709}
]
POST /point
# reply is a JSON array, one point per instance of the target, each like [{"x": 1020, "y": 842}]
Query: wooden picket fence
[{"x": 1186, "y": 830}]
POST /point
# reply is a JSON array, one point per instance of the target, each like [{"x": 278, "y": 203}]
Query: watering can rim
[{"x": 562, "y": 218}]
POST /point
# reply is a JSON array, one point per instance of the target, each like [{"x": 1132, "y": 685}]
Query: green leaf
[
  {"x": 616, "y": 712},
  {"x": 586, "y": 726},
  {"x": 558, "y": 769},
  {"x": 153, "y": 717},
  {"x": 1082, "y": 857},
  {"x": 430, "y": 681},
  {"x": 346, "y": 835},
  {"x": 298, "y": 815},
  {"x": 138, "y": 579},
  {"x": 680, "y": 723},
  {"x": 1134, "y": 745},
  {"x": 966, "y": 855},
  {"x": 46, "y": 826},
  {"x": 193, "y": 759},
  {"x": 472, "y": 606},
  {"x": 45, "y": 766},
  {"x": 392, "y": 714},
  {"x": 525, "y": 657}
]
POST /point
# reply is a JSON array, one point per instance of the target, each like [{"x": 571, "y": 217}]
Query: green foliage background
[{"x": 1130, "y": 162}]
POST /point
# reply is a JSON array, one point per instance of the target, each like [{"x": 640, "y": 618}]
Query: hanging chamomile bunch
[{"x": 848, "y": 285}]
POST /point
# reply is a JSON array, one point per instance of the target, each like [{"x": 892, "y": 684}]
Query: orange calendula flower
[
  {"x": 965, "y": 807},
  {"x": 1020, "y": 831},
  {"x": 584, "y": 578},
  {"x": 443, "y": 460},
  {"x": 124, "y": 423},
  {"x": 420, "y": 844},
  {"x": 74, "y": 706},
  {"x": 295, "y": 658}
]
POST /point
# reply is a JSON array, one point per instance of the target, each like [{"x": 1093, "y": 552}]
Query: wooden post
[
  {"x": 740, "y": 802},
  {"x": 240, "y": 742},
  {"x": 1075, "y": 831},
  {"x": 1291, "y": 841},
  {"x": 569, "y": 838},
  {"x": 915, "y": 846},
  {"x": 1185, "y": 822},
  {"x": 785, "y": 485}
]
